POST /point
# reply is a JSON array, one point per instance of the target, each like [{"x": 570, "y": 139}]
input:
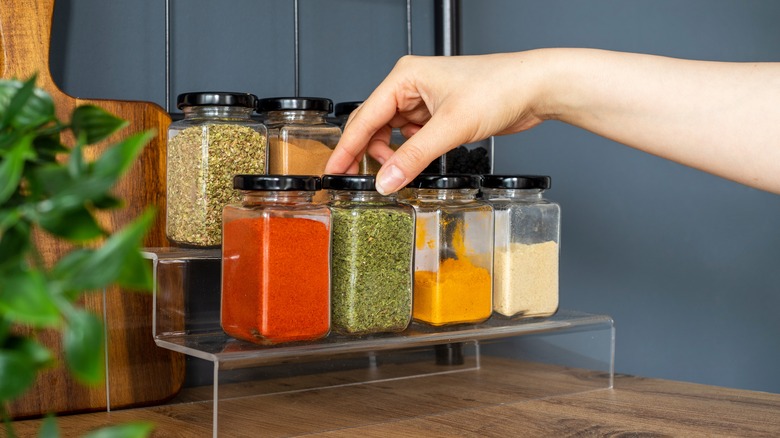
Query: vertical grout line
[
  {"x": 408, "y": 27},
  {"x": 297, "y": 51},
  {"x": 168, "y": 56},
  {"x": 105, "y": 350}
]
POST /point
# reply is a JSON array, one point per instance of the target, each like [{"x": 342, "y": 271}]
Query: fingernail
[{"x": 390, "y": 180}]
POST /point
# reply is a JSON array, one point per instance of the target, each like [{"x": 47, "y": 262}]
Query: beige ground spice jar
[{"x": 527, "y": 236}]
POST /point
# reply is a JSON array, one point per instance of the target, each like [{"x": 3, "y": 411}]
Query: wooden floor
[{"x": 503, "y": 398}]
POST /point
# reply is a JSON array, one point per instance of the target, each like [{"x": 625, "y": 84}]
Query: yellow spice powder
[{"x": 459, "y": 293}]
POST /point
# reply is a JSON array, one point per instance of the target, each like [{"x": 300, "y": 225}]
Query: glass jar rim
[
  {"x": 541, "y": 182},
  {"x": 216, "y": 98},
  {"x": 294, "y": 103},
  {"x": 277, "y": 182},
  {"x": 451, "y": 181}
]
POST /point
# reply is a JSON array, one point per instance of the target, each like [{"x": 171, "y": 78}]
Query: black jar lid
[
  {"x": 277, "y": 182},
  {"x": 294, "y": 103},
  {"x": 349, "y": 182},
  {"x": 346, "y": 108},
  {"x": 216, "y": 98},
  {"x": 516, "y": 182},
  {"x": 453, "y": 181}
]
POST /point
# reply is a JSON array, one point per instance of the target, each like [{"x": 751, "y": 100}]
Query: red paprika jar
[{"x": 276, "y": 261}]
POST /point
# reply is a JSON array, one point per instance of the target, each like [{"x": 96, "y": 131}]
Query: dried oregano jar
[
  {"x": 453, "y": 274},
  {"x": 526, "y": 245},
  {"x": 372, "y": 253},
  {"x": 216, "y": 140}
]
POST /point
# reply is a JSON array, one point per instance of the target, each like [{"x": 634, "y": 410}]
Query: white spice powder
[{"x": 526, "y": 279}]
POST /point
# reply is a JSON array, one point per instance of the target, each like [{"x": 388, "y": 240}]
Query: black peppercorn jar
[
  {"x": 525, "y": 268},
  {"x": 216, "y": 140},
  {"x": 372, "y": 257}
]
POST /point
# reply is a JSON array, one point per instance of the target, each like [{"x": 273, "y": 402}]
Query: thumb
[{"x": 434, "y": 139}]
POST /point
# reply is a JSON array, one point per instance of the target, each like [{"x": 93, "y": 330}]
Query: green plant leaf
[
  {"x": 95, "y": 269},
  {"x": 12, "y": 166},
  {"x": 129, "y": 430},
  {"x": 76, "y": 225},
  {"x": 23, "y": 106},
  {"x": 48, "y": 146},
  {"x": 20, "y": 361},
  {"x": 49, "y": 428},
  {"x": 25, "y": 299},
  {"x": 107, "y": 202},
  {"x": 117, "y": 159},
  {"x": 14, "y": 245},
  {"x": 49, "y": 179},
  {"x": 15, "y": 374},
  {"x": 94, "y": 123},
  {"x": 68, "y": 192},
  {"x": 5, "y": 329},
  {"x": 82, "y": 341},
  {"x": 136, "y": 273},
  {"x": 76, "y": 164},
  {"x": 71, "y": 262},
  {"x": 36, "y": 354}
]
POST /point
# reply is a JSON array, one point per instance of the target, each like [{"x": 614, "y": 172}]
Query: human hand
[{"x": 439, "y": 103}]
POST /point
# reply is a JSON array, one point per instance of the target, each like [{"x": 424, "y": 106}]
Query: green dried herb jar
[
  {"x": 216, "y": 140},
  {"x": 371, "y": 257}
]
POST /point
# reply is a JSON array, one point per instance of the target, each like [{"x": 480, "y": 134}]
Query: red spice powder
[{"x": 275, "y": 279}]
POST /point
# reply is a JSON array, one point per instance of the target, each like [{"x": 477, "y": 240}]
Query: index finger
[{"x": 377, "y": 111}]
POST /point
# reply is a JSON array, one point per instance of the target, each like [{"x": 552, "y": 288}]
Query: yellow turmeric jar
[{"x": 453, "y": 277}]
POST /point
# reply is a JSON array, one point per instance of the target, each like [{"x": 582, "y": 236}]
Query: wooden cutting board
[{"x": 138, "y": 372}]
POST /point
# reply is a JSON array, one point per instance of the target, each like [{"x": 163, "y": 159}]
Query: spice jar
[
  {"x": 526, "y": 245},
  {"x": 368, "y": 165},
  {"x": 276, "y": 261},
  {"x": 300, "y": 138},
  {"x": 372, "y": 253},
  {"x": 453, "y": 250},
  {"x": 216, "y": 140}
]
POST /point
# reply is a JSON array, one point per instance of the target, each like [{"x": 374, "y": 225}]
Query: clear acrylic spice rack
[{"x": 225, "y": 373}]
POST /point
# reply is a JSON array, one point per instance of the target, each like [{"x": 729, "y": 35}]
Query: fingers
[
  {"x": 431, "y": 141},
  {"x": 364, "y": 123}
]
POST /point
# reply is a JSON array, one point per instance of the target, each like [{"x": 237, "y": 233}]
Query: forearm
[{"x": 723, "y": 118}]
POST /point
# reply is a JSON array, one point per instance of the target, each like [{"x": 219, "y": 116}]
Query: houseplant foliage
[{"x": 48, "y": 188}]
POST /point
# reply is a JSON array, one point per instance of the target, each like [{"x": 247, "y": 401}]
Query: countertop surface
[{"x": 502, "y": 398}]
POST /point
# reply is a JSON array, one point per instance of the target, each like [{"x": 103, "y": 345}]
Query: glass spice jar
[
  {"x": 526, "y": 245},
  {"x": 368, "y": 165},
  {"x": 276, "y": 261},
  {"x": 372, "y": 254},
  {"x": 301, "y": 140},
  {"x": 453, "y": 275},
  {"x": 216, "y": 139}
]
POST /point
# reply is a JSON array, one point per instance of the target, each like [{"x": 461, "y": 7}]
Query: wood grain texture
[
  {"x": 504, "y": 398},
  {"x": 139, "y": 372}
]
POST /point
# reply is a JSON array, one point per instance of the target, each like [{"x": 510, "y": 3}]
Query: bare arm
[{"x": 723, "y": 118}]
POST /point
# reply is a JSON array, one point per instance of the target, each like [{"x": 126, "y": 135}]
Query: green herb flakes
[{"x": 371, "y": 268}]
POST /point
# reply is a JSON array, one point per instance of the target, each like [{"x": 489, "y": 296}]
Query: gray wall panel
[{"x": 685, "y": 262}]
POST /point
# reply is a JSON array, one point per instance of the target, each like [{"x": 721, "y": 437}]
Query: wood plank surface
[
  {"x": 503, "y": 398},
  {"x": 138, "y": 371}
]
